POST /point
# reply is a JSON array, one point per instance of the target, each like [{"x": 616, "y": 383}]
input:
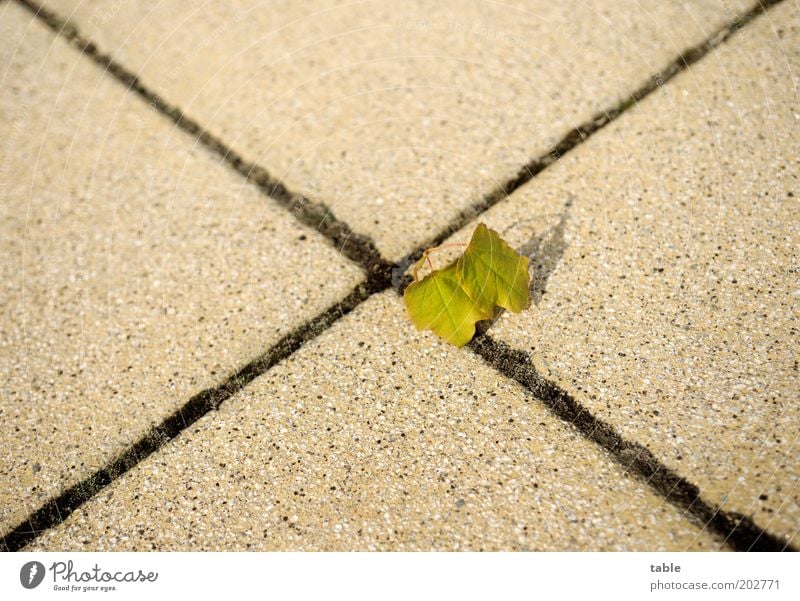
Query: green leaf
[
  {"x": 493, "y": 273},
  {"x": 449, "y": 301},
  {"x": 439, "y": 303}
]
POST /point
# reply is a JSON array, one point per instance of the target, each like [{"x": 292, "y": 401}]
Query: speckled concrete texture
[
  {"x": 396, "y": 118},
  {"x": 372, "y": 437},
  {"x": 136, "y": 269},
  {"x": 667, "y": 249}
]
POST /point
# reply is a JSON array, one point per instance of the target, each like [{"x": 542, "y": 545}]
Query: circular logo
[{"x": 31, "y": 574}]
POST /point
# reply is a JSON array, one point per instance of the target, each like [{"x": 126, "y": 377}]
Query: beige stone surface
[
  {"x": 375, "y": 436},
  {"x": 672, "y": 308},
  {"x": 395, "y": 116},
  {"x": 136, "y": 270}
]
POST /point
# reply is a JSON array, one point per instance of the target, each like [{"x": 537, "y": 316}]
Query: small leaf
[
  {"x": 449, "y": 301},
  {"x": 493, "y": 273},
  {"x": 439, "y": 303}
]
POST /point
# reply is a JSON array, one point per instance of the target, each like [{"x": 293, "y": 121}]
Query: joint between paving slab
[
  {"x": 738, "y": 531},
  {"x": 357, "y": 247},
  {"x": 586, "y": 130},
  {"x": 57, "y": 509}
]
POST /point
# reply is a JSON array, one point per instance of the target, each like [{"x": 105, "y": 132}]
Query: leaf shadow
[{"x": 545, "y": 252}]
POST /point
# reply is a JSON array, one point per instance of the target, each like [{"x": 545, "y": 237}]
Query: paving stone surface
[
  {"x": 136, "y": 269},
  {"x": 396, "y": 119},
  {"x": 665, "y": 255},
  {"x": 373, "y": 438}
]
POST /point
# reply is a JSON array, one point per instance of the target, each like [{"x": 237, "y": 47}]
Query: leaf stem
[{"x": 426, "y": 256}]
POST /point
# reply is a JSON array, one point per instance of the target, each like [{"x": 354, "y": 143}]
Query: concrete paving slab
[
  {"x": 665, "y": 257},
  {"x": 137, "y": 270},
  {"x": 371, "y": 438},
  {"x": 398, "y": 119}
]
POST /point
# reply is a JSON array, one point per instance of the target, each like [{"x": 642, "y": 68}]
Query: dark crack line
[
  {"x": 357, "y": 247},
  {"x": 737, "y": 530},
  {"x": 58, "y": 509},
  {"x": 583, "y": 132}
]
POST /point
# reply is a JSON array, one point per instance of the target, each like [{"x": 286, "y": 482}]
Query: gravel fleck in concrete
[
  {"x": 376, "y": 437},
  {"x": 667, "y": 249},
  {"x": 136, "y": 269},
  {"x": 396, "y": 116}
]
